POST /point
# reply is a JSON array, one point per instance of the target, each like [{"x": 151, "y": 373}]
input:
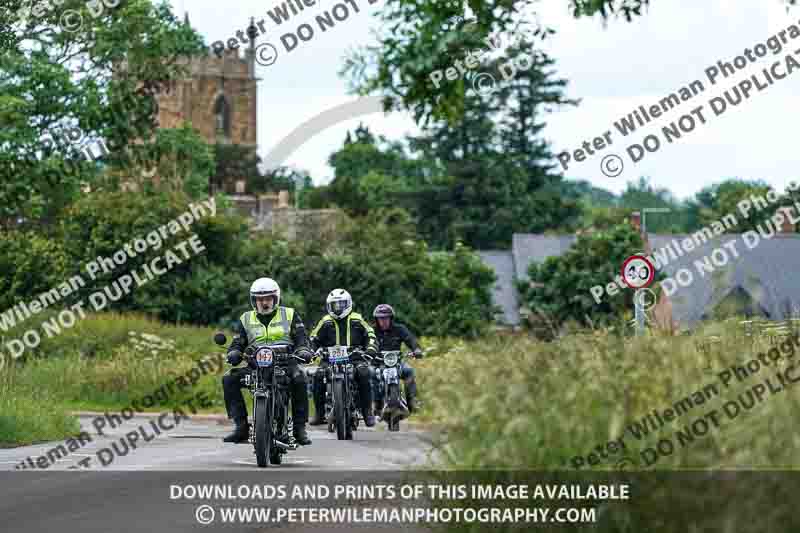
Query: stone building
[{"x": 219, "y": 97}]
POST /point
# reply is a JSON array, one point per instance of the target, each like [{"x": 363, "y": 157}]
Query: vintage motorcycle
[
  {"x": 341, "y": 391},
  {"x": 271, "y": 431},
  {"x": 393, "y": 408}
]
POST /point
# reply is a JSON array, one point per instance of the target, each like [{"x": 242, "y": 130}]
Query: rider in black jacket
[
  {"x": 344, "y": 327},
  {"x": 391, "y": 336}
]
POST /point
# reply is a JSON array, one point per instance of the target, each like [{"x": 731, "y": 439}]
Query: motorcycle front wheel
[
  {"x": 339, "y": 410},
  {"x": 263, "y": 431},
  {"x": 394, "y": 400}
]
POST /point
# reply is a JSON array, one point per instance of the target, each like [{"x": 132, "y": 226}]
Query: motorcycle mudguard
[{"x": 391, "y": 375}]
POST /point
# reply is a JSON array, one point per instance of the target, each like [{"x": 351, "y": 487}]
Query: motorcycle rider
[
  {"x": 267, "y": 322},
  {"x": 391, "y": 335},
  {"x": 344, "y": 327}
]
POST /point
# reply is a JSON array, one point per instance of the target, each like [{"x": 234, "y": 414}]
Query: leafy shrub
[
  {"x": 558, "y": 288},
  {"x": 31, "y": 264},
  {"x": 378, "y": 258}
]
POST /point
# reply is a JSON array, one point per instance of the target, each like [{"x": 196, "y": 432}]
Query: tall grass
[
  {"x": 103, "y": 363},
  {"x": 515, "y": 402},
  {"x": 27, "y": 418}
]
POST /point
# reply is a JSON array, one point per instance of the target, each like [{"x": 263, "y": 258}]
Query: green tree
[
  {"x": 501, "y": 178},
  {"x": 183, "y": 161},
  {"x": 100, "y": 78},
  {"x": 558, "y": 288},
  {"x": 418, "y": 38},
  {"x": 235, "y": 162},
  {"x": 720, "y": 199}
]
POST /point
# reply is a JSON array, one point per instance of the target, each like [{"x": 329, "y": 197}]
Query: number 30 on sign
[{"x": 638, "y": 272}]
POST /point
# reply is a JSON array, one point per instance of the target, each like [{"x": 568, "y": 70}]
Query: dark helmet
[{"x": 383, "y": 311}]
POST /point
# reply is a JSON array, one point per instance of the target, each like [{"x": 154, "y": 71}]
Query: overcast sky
[{"x": 612, "y": 70}]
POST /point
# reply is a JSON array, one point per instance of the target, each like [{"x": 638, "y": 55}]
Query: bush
[
  {"x": 31, "y": 264},
  {"x": 379, "y": 258},
  {"x": 558, "y": 288}
]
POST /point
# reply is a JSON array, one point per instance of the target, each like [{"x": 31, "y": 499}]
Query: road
[{"x": 132, "y": 492}]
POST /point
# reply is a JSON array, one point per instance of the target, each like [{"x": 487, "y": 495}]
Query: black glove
[
  {"x": 418, "y": 353},
  {"x": 234, "y": 357},
  {"x": 305, "y": 355}
]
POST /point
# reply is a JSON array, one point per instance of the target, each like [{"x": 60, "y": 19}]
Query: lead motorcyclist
[
  {"x": 344, "y": 327},
  {"x": 391, "y": 336},
  {"x": 267, "y": 322}
]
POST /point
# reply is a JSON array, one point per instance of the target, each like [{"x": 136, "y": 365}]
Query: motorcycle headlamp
[{"x": 390, "y": 359}]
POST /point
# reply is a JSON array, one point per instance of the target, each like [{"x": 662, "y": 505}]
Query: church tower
[{"x": 218, "y": 98}]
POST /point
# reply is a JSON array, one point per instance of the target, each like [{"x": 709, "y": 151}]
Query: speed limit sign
[{"x": 638, "y": 272}]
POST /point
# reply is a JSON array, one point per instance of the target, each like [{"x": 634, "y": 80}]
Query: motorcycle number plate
[
  {"x": 337, "y": 354},
  {"x": 264, "y": 357},
  {"x": 390, "y": 373}
]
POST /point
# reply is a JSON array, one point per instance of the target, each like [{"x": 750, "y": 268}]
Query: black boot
[
  {"x": 300, "y": 435},
  {"x": 318, "y": 419},
  {"x": 378, "y": 407},
  {"x": 319, "y": 405},
  {"x": 240, "y": 434},
  {"x": 369, "y": 420},
  {"x": 411, "y": 396}
]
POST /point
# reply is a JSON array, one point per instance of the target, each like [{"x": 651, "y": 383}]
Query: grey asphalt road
[
  {"x": 133, "y": 491},
  {"x": 197, "y": 445}
]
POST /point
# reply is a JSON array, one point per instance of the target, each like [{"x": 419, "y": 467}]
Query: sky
[{"x": 611, "y": 69}]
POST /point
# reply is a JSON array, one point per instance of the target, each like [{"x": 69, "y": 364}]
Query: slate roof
[
  {"x": 504, "y": 293},
  {"x": 528, "y": 247},
  {"x": 769, "y": 273}
]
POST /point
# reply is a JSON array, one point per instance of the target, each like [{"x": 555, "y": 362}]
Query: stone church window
[{"x": 222, "y": 113}]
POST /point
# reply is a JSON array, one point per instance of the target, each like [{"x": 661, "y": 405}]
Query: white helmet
[
  {"x": 339, "y": 303},
  {"x": 265, "y": 287}
]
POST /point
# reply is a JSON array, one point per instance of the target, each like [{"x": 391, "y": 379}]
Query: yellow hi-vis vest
[{"x": 279, "y": 329}]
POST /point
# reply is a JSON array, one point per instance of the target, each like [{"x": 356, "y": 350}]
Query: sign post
[{"x": 638, "y": 273}]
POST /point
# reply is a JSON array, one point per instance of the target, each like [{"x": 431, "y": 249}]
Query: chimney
[
  {"x": 283, "y": 199},
  {"x": 786, "y": 226},
  {"x": 636, "y": 221}
]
